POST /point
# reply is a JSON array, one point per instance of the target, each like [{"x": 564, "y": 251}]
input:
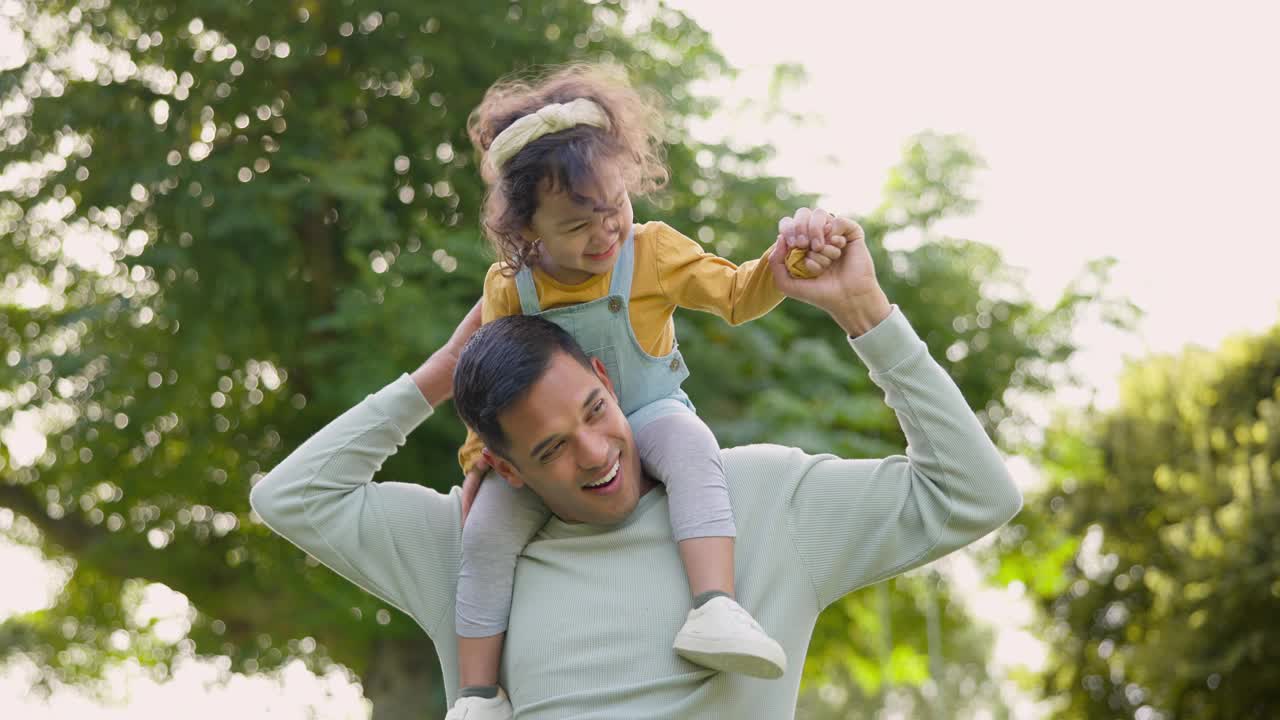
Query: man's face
[{"x": 570, "y": 443}]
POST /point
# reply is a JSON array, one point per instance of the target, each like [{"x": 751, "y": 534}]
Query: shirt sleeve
[
  {"x": 693, "y": 278},
  {"x": 500, "y": 295},
  {"x": 500, "y": 300},
  {"x": 470, "y": 451},
  {"x": 399, "y": 541},
  {"x": 856, "y": 522}
]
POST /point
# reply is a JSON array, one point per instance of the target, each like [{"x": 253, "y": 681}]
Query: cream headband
[{"x": 548, "y": 119}]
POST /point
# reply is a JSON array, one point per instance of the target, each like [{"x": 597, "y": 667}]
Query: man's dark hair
[{"x": 499, "y": 364}]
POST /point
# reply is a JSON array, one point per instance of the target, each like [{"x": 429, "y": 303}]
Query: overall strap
[
  {"x": 528, "y": 292},
  {"x": 623, "y": 269}
]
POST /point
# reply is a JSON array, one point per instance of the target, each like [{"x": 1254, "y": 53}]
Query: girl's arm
[{"x": 693, "y": 278}]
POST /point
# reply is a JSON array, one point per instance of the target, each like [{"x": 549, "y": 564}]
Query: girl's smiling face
[{"x": 581, "y": 233}]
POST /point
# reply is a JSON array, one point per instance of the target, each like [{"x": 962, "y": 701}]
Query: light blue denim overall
[{"x": 648, "y": 388}]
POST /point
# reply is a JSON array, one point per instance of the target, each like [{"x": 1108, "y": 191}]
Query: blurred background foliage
[
  {"x": 1162, "y": 516},
  {"x": 227, "y": 222}
]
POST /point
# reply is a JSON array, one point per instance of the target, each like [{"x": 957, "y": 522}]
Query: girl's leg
[
  {"x": 680, "y": 450},
  {"x": 682, "y": 453},
  {"x": 502, "y": 521},
  {"x": 708, "y": 561}
]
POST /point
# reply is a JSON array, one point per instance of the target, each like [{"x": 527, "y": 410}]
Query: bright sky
[{"x": 1141, "y": 130}]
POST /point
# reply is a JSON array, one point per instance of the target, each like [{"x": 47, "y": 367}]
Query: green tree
[
  {"x": 893, "y": 668},
  {"x": 231, "y": 205},
  {"x": 787, "y": 377},
  {"x": 1162, "y": 516},
  {"x": 239, "y": 211}
]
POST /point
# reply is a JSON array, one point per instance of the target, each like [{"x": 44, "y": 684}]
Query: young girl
[{"x": 561, "y": 159}]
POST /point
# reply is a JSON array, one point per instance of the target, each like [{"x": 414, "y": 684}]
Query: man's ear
[
  {"x": 603, "y": 374},
  {"x": 503, "y": 467}
]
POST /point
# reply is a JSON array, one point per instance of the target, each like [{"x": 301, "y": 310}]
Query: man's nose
[{"x": 594, "y": 451}]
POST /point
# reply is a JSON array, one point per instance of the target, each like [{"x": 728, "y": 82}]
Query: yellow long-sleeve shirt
[{"x": 671, "y": 271}]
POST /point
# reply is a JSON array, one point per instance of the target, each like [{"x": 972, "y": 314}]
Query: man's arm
[
  {"x": 399, "y": 541},
  {"x": 856, "y": 522}
]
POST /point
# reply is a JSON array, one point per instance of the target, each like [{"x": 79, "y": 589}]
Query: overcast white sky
[
  {"x": 1146, "y": 131},
  {"x": 1141, "y": 130}
]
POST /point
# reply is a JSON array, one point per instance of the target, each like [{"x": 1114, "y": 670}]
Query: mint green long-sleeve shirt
[{"x": 595, "y": 609}]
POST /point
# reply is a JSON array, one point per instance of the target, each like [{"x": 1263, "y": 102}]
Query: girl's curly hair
[{"x": 570, "y": 159}]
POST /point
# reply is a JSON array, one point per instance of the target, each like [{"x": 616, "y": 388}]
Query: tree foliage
[
  {"x": 1162, "y": 515},
  {"x": 229, "y": 221}
]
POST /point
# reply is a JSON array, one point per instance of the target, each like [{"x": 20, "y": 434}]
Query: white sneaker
[
  {"x": 478, "y": 708},
  {"x": 722, "y": 636}
]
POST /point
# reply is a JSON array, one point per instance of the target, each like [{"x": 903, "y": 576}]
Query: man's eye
[
  {"x": 576, "y": 228},
  {"x": 598, "y": 408},
  {"x": 550, "y": 454}
]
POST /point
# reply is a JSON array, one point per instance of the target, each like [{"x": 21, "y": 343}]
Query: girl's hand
[
  {"x": 803, "y": 263},
  {"x": 808, "y": 229},
  {"x": 810, "y": 241},
  {"x": 848, "y": 290},
  {"x": 471, "y": 487}
]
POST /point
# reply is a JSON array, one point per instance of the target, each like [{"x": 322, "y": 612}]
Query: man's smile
[{"x": 607, "y": 482}]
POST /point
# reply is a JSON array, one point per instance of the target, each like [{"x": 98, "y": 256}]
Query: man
[{"x": 600, "y": 591}]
